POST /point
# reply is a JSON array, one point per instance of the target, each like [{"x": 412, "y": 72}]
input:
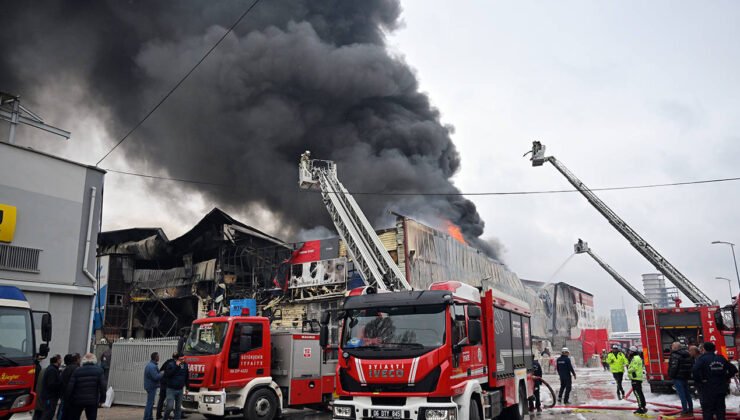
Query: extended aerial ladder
[
  {"x": 653, "y": 256},
  {"x": 582, "y": 247},
  {"x": 364, "y": 246}
]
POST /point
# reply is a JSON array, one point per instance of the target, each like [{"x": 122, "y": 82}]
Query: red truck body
[
  {"x": 238, "y": 365},
  {"x": 416, "y": 354},
  {"x": 18, "y": 353},
  {"x": 659, "y": 328}
]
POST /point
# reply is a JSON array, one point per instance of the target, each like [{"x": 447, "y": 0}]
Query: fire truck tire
[
  {"x": 261, "y": 404},
  {"x": 522, "y": 409},
  {"x": 474, "y": 413}
]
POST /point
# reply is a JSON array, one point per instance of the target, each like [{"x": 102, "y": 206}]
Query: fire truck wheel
[
  {"x": 474, "y": 410},
  {"x": 522, "y": 409},
  {"x": 262, "y": 404}
]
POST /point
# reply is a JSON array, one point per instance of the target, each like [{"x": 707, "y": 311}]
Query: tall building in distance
[
  {"x": 656, "y": 291},
  {"x": 619, "y": 320}
]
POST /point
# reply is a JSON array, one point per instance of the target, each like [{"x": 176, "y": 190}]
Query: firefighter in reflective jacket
[
  {"x": 634, "y": 370},
  {"x": 617, "y": 362},
  {"x": 565, "y": 369},
  {"x": 712, "y": 373}
]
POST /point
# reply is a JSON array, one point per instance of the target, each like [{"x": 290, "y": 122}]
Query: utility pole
[
  {"x": 729, "y": 284},
  {"x": 13, "y": 112}
]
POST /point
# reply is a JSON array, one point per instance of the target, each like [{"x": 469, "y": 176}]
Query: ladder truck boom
[
  {"x": 582, "y": 247},
  {"x": 367, "y": 251},
  {"x": 641, "y": 245}
]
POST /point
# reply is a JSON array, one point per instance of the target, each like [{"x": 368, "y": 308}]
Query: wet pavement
[{"x": 593, "y": 387}]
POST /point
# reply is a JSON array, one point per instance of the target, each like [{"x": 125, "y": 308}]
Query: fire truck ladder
[
  {"x": 653, "y": 256},
  {"x": 582, "y": 247},
  {"x": 367, "y": 251}
]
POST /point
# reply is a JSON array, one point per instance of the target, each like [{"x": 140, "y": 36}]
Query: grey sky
[{"x": 622, "y": 92}]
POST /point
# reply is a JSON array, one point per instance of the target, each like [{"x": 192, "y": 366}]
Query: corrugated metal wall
[{"x": 128, "y": 359}]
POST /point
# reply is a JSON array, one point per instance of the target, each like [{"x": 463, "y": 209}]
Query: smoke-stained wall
[{"x": 292, "y": 76}]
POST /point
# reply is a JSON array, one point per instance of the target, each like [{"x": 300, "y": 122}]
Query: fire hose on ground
[{"x": 663, "y": 409}]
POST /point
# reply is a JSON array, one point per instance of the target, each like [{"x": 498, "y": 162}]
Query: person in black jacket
[
  {"x": 679, "y": 369},
  {"x": 712, "y": 373},
  {"x": 71, "y": 362},
  {"x": 163, "y": 385},
  {"x": 565, "y": 369},
  {"x": 537, "y": 373},
  {"x": 178, "y": 377},
  {"x": 51, "y": 388},
  {"x": 86, "y": 389}
]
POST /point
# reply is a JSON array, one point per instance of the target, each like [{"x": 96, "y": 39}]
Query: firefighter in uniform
[
  {"x": 634, "y": 370},
  {"x": 712, "y": 373},
  {"x": 617, "y": 362},
  {"x": 537, "y": 374},
  {"x": 565, "y": 369}
]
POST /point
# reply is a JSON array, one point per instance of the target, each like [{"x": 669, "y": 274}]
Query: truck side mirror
[
  {"x": 324, "y": 335},
  {"x": 46, "y": 327},
  {"x": 43, "y": 350},
  {"x": 325, "y": 317},
  {"x": 475, "y": 334}
]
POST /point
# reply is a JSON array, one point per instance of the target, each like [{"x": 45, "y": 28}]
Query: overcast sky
[{"x": 621, "y": 92}]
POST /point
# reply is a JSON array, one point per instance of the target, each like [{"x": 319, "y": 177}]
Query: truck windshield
[
  {"x": 206, "y": 338},
  {"x": 16, "y": 340},
  {"x": 395, "y": 328}
]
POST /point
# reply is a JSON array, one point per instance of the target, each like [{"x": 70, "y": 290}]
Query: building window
[
  {"x": 18, "y": 258},
  {"x": 115, "y": 299}
]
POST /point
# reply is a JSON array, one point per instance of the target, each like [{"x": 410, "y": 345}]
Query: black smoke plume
[{"x": 294, "y": 76}]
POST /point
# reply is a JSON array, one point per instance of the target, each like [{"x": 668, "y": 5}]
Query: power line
[
  {"x": 533, "y": 192},
  {"x": 177, "y": 85}
]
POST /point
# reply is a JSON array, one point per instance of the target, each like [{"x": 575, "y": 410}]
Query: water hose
[{"x": 552, "y": 392}]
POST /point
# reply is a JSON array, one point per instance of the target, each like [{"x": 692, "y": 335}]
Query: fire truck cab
[
  {"x": 238, "y": 365},
  {"x": 18, "y": 352},
  {"x": 439, "y": 354}
]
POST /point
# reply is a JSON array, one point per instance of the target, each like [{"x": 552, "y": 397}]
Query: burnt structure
[{"x": 156, "y": 286}]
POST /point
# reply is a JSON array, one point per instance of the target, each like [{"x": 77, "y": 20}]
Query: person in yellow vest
[
  {"x": 635, "y": 373},
  {"x": 617, "y": 362}
]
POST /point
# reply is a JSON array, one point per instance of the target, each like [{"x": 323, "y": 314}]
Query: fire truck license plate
[{"x": 386, "y": 414}]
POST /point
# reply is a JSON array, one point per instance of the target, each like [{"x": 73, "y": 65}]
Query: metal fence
[{"x": 128, "y": 359}]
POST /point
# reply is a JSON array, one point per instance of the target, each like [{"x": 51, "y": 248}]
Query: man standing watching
[
  {"x": 151, "y": 383},
  {"x": 565, "y": 369},
  {"x": 679, "y": 369},
  {"x": 163, "y": 385},
  {"x": 712, "y": 373},
  {"x": 634, "y": 370},
  {"x": 69, "y": 369},
  {"x": 51, "y": 388},
  {"x": 86, "y": 389},
  {"x": 617, "y": 362},
  {"x": 177, "y": 378}
]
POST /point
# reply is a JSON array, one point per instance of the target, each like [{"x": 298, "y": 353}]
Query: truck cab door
[{"x": 248, "y": 353}]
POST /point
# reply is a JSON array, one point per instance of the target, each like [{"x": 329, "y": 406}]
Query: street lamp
[
  {"x": 732, "y": 246},
  {"x": 729, "y": 284}
]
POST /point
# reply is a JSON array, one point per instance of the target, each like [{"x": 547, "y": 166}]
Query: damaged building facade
[{"x": 157, "y": 286}]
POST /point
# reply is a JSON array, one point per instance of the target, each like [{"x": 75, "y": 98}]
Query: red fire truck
[
  {"x": 437, "y": 354},
  {"x": 18, "y": 351},
  {"x": 660, "y": 327},
  {"x": 238, "y": 365}
]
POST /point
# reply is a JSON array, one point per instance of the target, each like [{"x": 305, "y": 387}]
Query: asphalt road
[{"x": 592, "y": 387}]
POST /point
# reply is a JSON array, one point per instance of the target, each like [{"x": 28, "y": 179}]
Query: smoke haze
[{"x": 294, "y": 76}]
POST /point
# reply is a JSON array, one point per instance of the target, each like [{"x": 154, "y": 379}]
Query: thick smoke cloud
[{"x": 294, "y": 76}]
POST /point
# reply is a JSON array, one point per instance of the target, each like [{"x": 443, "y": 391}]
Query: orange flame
[{"x": 454, "y": 231}]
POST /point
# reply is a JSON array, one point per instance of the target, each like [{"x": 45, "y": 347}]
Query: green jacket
[
  {"x": 635, "y": 368},
  {"x": 616, "y": 363}
]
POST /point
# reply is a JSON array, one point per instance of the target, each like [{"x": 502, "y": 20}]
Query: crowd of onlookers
[
  {"x": 70, "y": 386},
  {"x": 172, "y": 381}
]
